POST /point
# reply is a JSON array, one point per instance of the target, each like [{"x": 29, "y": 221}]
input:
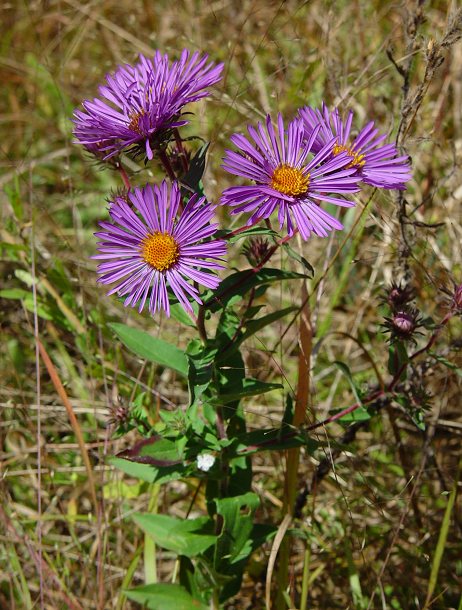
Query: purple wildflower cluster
[
  {"x": 142, "y": 103},
  {"x": 310, "y": 162},
  {"x": 157, "y": 238}
]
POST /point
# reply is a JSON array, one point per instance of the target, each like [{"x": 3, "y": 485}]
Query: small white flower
[{"x": 205, "y": 461}]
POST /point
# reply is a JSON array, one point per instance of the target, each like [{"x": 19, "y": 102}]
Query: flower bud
[
  {"x": 457, "y": 299},
  {"x": 403, "y": 324},
  {"x": 256, "y": 250},
  {"x": 399, "y": 295}
]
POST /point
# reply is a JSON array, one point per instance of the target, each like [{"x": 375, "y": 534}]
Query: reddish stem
[
  {"x": 125, "y": 178},
  {"x": 167, "y": 165},
  {"x": 181, "y": 151}
]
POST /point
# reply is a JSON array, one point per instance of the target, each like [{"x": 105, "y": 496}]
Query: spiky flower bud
[
  {"x": 457, "y": 299},
  {"x": 256, "y": 250},
  {"x": 399, "y": 295},
  {"x": 119, "y": 414},
  {"x": 403, "y": 324}
]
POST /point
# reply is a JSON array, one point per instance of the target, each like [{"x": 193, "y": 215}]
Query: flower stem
[
  {"x": 201, "y": 324},
  {"x": 167, "y": 165},
  {"x": 181, "y": 151},
  {"x": 124, "y": 175}
]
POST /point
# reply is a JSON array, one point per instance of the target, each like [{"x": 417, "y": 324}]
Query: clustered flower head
[
  {"x": 296, "y": 170},
  {"x": 152, "y": 245},
  {"x": 160, "y": 241},
  {"x": 141, "y": 104},
  {"x": 287, "y": 180},
  {"x": 375, "y": 162}
]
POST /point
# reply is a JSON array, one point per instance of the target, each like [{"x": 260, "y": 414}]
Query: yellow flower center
[
  {"x": 357, "y": 159},
  {"x": 160, "y": 250},
  {"x": 289, "y": 180},
  {"x": 134, "y": 123}
]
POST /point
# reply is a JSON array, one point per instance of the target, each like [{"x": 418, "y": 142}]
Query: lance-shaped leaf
[
  {"x": 165, "y": 597},
  {"x": 187, "y": 537},
  {"x": 241, "y": 282},
  {"x": 275, "y": 439},
  {"x": 151, "y": 348},
  {"x": 250, "y": 232},
  {"x": 244, "y": 388}
]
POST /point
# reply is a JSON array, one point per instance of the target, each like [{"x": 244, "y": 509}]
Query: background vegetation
[{"x": 368, "y": 528}]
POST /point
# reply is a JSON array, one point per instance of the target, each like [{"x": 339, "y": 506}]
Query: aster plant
[{"x": 162, "y": 253}]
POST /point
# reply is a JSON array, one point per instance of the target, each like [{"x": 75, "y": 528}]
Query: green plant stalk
[
  {"x": 128, "y": 577},
  {"x": 149, "y": 552},
  {"x": 306, "y": 576},
  {"x": 442, "y": 542}
]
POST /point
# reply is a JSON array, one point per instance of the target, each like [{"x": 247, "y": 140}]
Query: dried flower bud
[
  {"x": 399, "y": 295},
  {"x": 256, "y": 250}
]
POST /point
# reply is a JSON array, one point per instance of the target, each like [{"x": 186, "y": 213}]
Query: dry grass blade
[
  {"x": 72, "y": 419},
  {"x": 273, "y": 555}
]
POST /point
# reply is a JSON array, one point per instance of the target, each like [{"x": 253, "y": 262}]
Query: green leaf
[
  {"x": 200, "y": 369},
  {"x": 14, "y": 293},
  {"x": 234, "y": 541},
  {"x": 397, "y": 359},
  {"x": 178, "y": 312},
  {"x": 150, "y": 348},
  {"x": 437, "y": 357},
  {"x": 275, "y": 439},
  {"x": 196, "y": 170},
  {"x": 148, "y": 473},
  {"x": 154, "y": 450},
  {"x": 359, "y": 414},
  {"x": 248, "y": 387},
  {"x": 165, "y": 597},
  {"x": 187, "y": 537},
  {"x": 253, "y": 326},
  {"x": 251, "y": 232},
  {"x": 299, "y": 258},
  {"x": 346, "y": 371},
  {"x": 240, "y": 283}
]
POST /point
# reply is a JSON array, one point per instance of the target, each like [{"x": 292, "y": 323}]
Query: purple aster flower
[
  {"x": 377, "y": 163},
  {"x": 141, "y": 103},
  {"x": 286, "y": 180},
  {"x": 152, "y": 244}
]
